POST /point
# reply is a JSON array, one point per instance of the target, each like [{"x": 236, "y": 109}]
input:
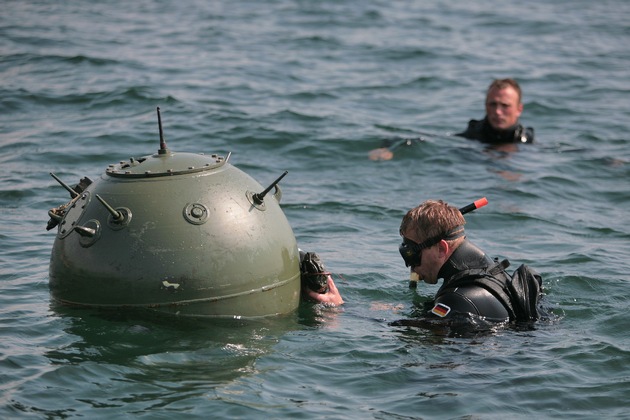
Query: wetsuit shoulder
[
  {"x": 473, "y": 131},
  {"x": 471, "y": 299},
  {"x": 482, "y": 131}
]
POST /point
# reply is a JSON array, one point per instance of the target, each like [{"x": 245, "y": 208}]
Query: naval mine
[{"x": 178, "y": 233}]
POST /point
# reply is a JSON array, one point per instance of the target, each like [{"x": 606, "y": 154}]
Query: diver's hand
[
  {"x": 382, "y": 153},
  {"x": 331, "y": 297}
]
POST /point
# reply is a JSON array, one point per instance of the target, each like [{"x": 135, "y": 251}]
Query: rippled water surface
[{"x": 312, "y": 87}]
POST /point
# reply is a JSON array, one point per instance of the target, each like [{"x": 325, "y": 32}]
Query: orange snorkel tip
[{"x": 474, "y": 205}]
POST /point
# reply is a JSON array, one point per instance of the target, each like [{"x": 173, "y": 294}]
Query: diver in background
[
  {"x": 503, "y": 109},
  {"x": 435, "y": 247},
  {"x": 500, "y": 126}
]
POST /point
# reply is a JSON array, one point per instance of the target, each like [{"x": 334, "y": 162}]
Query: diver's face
[
  {"x": 430, "y": 262},
  {"x": 503, "y": 107}
]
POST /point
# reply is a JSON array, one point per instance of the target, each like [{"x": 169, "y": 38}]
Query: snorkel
[
  {"x": 474, "y": 205},
  {"x": 409, "y": 252}
]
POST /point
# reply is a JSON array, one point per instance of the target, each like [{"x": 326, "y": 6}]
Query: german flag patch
[{"x": 441, "y": 310}]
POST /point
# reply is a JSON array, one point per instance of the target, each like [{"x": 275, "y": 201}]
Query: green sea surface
[{"x": 311, "y": 88}]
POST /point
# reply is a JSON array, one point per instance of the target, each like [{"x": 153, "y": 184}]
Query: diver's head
[
  {"x": 431, "y": 232},
  {"x": 503, "y": 104}
]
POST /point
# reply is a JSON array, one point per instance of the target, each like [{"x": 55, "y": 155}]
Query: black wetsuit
[
  {"x": 485, "y": 133},
  {"x": 458, "y": 295}
]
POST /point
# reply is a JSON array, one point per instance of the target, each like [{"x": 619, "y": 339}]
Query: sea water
[{"x": 312, "y": 87}]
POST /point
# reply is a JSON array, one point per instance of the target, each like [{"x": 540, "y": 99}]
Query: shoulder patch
[{"x": 441, "y": 310}]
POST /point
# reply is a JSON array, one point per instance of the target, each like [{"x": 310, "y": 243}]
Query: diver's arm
[
  {"x": 386, "y": 152},
  {"x": 382, "y": 153},
  {"x": 470, "y": 299},
  {"x": 451, "y": 303}
]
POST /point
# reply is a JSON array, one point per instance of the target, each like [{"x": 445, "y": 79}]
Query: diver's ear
[{"x": 443, "y": 248}]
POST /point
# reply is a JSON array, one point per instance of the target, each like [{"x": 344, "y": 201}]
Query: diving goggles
[{"x": 411, "y": 251}]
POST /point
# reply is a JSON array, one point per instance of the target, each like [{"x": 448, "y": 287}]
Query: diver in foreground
[{"x": 435, "y": 247}]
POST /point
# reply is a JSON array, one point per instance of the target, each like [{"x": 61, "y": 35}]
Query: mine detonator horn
[
  {"x": 116, "y": 216},
  {"x": 119, "y": 217},
  {"x": 72, "y": 192},
  {"x": 163, "y": 149},
  {"x": 258, "y": 198}
]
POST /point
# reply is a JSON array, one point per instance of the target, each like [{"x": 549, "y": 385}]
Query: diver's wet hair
[
  {"x": 504, "y": 83},
  {"x": 433, "y": 218}
]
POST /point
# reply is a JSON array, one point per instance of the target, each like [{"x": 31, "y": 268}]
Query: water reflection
[{"x": 167, "y": 350}]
